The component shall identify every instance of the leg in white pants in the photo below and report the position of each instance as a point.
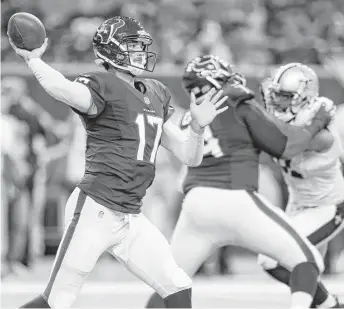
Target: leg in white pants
(218, 217)
(319, 225)
(146, 253)
(90, 229)
(93, 229)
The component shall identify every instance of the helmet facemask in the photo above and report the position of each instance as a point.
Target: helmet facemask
(137, 57)
(130, 60)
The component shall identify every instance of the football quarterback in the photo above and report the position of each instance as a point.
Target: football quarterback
(221, 205)
(314, 179)
(126, 119)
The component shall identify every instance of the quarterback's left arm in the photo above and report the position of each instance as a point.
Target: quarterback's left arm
(186, 146)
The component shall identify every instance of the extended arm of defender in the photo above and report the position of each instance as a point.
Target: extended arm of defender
(300, 139)
(186, 145)
(276, 137)
(321, 142)
(55, 84)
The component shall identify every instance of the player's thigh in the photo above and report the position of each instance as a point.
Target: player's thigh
(213, 212)
(320, 225)
(269, 186)
(190, 244)
(146, 253)
(84, 240)
(267, 230)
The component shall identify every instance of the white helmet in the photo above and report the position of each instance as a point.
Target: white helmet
(293, 86)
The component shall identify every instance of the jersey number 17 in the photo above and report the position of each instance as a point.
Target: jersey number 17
(142, 122)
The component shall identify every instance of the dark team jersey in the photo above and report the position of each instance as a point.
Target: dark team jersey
(233, 142)
(122, 139)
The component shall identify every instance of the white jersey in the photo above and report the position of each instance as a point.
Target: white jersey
(315, 179)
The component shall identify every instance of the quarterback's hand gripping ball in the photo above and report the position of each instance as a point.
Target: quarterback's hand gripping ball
(27, 35)
(205, 111)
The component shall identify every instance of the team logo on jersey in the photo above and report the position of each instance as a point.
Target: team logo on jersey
(146, 100)
(83, 80)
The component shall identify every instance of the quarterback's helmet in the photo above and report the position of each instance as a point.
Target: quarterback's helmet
(292, 87)
(112, 44)
(208, 71)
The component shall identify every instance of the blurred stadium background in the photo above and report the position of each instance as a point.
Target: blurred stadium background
(43, 142)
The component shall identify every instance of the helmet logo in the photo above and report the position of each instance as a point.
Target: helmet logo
(107, 31)
(146, 100)
(143, 32)
(120, 57)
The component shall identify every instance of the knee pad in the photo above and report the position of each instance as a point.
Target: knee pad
(266, 262)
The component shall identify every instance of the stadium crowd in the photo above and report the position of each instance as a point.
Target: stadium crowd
(261, 32)
(244, 32)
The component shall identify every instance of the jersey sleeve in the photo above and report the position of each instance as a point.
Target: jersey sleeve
(265, 134)
(97, 89)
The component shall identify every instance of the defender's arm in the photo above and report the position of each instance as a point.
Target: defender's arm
(55, 84)
(186, 145)
(278, 138)
(321, 142)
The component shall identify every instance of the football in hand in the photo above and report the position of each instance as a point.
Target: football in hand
(26, 31)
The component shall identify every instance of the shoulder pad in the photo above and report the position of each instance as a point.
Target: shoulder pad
(155, 83)
(256, 106)
(238, 93)
(161, 90)
(93, 80)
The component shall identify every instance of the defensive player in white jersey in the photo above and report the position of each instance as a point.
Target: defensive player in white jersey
(338, 124)
(314, 178)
